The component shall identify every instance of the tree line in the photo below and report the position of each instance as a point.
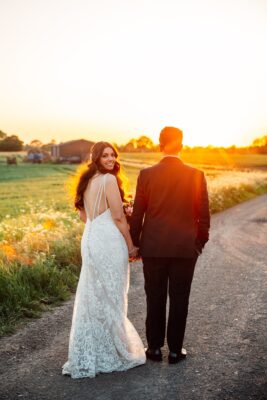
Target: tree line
(141, 144)
(145, 144)
(10, 143)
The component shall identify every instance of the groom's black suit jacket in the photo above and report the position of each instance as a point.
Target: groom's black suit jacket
(171, 210)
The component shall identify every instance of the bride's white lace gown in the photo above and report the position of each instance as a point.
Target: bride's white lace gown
(102, 339)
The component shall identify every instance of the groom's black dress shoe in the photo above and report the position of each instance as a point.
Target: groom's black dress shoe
(176, 357)
(154, 354)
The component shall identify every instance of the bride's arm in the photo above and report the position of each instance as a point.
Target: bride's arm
(115, 205)
(82, 215)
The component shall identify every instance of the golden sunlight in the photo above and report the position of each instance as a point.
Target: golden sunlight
(116, 70)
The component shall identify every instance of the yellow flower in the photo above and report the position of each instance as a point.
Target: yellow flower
(49, 224)
(9, 251)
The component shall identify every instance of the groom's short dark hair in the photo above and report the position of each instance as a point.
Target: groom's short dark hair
(170, 134)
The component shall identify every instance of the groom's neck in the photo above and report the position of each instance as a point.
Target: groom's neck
(170, 154)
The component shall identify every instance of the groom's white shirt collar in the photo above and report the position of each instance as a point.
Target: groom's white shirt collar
(170, 155)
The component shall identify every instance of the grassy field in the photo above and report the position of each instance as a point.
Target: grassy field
(216, 159)
(40, 232)
(25, 185)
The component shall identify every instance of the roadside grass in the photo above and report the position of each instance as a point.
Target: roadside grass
(40, 233)
(233, 187)
(39, 263)
(26, 292)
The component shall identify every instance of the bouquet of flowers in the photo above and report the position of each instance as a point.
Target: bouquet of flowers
(128, 208)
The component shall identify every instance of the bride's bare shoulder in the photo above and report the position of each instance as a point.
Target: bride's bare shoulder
(110, 178)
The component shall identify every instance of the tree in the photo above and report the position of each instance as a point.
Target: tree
(11, 143)
(144, 143)
(36, 143)
(259, 145)
(129, 147)
(2, 135)
(46, 146)
(260, 142)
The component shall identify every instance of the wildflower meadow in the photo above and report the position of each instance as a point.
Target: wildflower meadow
(40, 232)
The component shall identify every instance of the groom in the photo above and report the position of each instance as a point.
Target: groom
(170, 223)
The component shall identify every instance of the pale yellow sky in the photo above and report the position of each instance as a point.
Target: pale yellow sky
(117, 69)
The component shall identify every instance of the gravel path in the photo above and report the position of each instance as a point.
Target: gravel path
(225, 337)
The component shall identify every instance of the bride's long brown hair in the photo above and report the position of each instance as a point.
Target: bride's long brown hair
(93, 167)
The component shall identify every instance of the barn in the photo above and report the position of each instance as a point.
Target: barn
(74, 151)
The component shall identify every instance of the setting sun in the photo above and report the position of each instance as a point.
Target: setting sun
(114, 70)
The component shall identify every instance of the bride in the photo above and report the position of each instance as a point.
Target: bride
(102, 339)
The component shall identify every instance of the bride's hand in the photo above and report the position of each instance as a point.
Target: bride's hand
(133, 252)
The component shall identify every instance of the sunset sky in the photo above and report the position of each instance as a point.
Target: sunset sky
(117, 69)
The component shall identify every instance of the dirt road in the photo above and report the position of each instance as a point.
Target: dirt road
(225, 337)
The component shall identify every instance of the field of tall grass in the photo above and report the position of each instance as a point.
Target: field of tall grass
(40, 232)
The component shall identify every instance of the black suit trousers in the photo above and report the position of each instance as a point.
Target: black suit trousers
(165, 276)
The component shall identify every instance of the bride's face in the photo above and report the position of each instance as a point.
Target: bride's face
(108, 159)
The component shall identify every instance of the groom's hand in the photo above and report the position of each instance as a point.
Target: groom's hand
(134, 254)
(134, 259)
(137, 257)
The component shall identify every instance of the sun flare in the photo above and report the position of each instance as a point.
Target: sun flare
(117, 70)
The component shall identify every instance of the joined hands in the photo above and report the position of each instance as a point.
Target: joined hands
(134, 254)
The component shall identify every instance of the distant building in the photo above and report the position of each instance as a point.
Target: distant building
(74, 151)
